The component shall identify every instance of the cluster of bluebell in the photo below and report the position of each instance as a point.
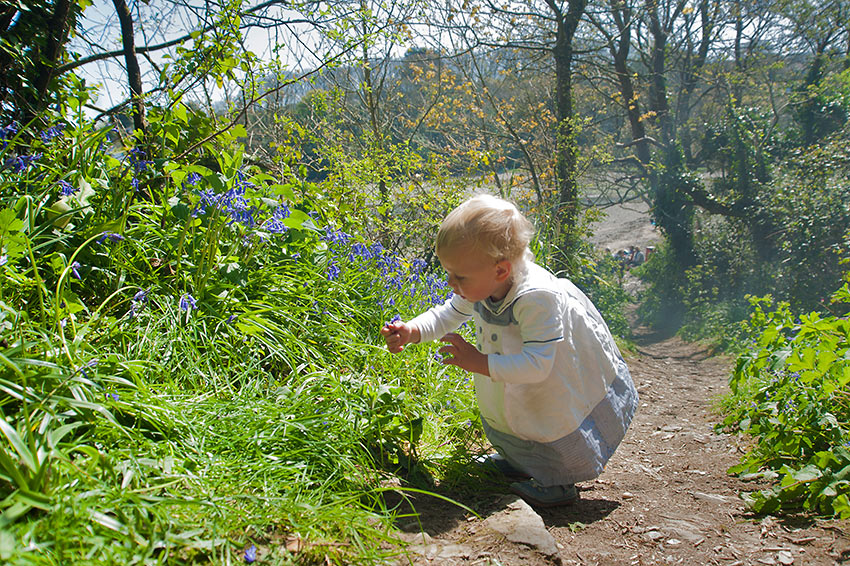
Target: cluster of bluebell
(7, 133)
(139, 164)
(397, 279)
(113, 237)
(233, 202)
(20, 163)
(51, 133)
(66, 189)
(187, 302)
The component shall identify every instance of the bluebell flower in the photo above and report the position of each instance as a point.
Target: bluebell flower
(333, 271)
(66, 189)
(89, 364)
(336, 236)
(138, 161)
(192, 179)
(7, 133)
(113, 396)
(187, 302)
(51, 133)
(111, 236)
(231, 319)
(20, 163)
(251, 554)
(141, 296)
(275, 224)
(76, 274)
(438, 356)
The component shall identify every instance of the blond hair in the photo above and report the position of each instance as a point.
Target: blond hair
(489, 225)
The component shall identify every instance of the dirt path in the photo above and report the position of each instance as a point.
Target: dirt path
(664, 498)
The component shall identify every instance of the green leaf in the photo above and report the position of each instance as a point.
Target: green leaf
(27, 457)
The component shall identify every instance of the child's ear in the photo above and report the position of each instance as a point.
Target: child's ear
(503, 270)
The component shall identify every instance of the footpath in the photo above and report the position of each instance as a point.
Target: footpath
(665, 497)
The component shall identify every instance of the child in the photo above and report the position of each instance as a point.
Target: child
(554, 392)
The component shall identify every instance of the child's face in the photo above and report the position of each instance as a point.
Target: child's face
(474, 276)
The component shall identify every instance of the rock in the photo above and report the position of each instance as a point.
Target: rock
(520, 524)
(785, 557)
(683, 530)
(712, 497)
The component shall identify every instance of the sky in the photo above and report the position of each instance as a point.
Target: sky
(159, 21)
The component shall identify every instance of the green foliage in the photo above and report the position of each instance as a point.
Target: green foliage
(191, 361)
(790, 250)
(790, 394)
(662, 302)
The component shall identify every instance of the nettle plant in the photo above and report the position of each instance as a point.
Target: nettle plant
(790, 394)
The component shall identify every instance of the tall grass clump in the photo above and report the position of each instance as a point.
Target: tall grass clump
(191, 364)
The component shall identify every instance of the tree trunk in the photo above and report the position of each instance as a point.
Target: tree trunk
(672, 208)
(566, 152)
(134, 73)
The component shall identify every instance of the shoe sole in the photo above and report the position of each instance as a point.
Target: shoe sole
(546, 504)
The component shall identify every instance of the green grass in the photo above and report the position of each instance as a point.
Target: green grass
(139, 430)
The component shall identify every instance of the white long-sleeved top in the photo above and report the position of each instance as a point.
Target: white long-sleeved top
(550, 354)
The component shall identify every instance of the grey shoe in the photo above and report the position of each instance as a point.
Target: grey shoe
(539, 496)
(495, 463)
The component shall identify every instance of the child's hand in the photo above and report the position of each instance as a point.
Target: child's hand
(463, 354)
(397, 334)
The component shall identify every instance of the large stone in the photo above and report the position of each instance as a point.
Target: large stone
(518, 523)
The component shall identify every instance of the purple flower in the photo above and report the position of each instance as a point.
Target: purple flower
(66, 189)
(137, 160)
(51, 133)
(113, 396)
(187, 302)
(251, 554)
(89, 364)
(141, 296)
(275, 224)
(192, 179)
(359, 249)
(333, 271)
(76, 274)
(231, 318)
(20, 163)
(7, 133)
(111, 236)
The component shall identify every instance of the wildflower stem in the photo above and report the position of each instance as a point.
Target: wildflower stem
(39, 281)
